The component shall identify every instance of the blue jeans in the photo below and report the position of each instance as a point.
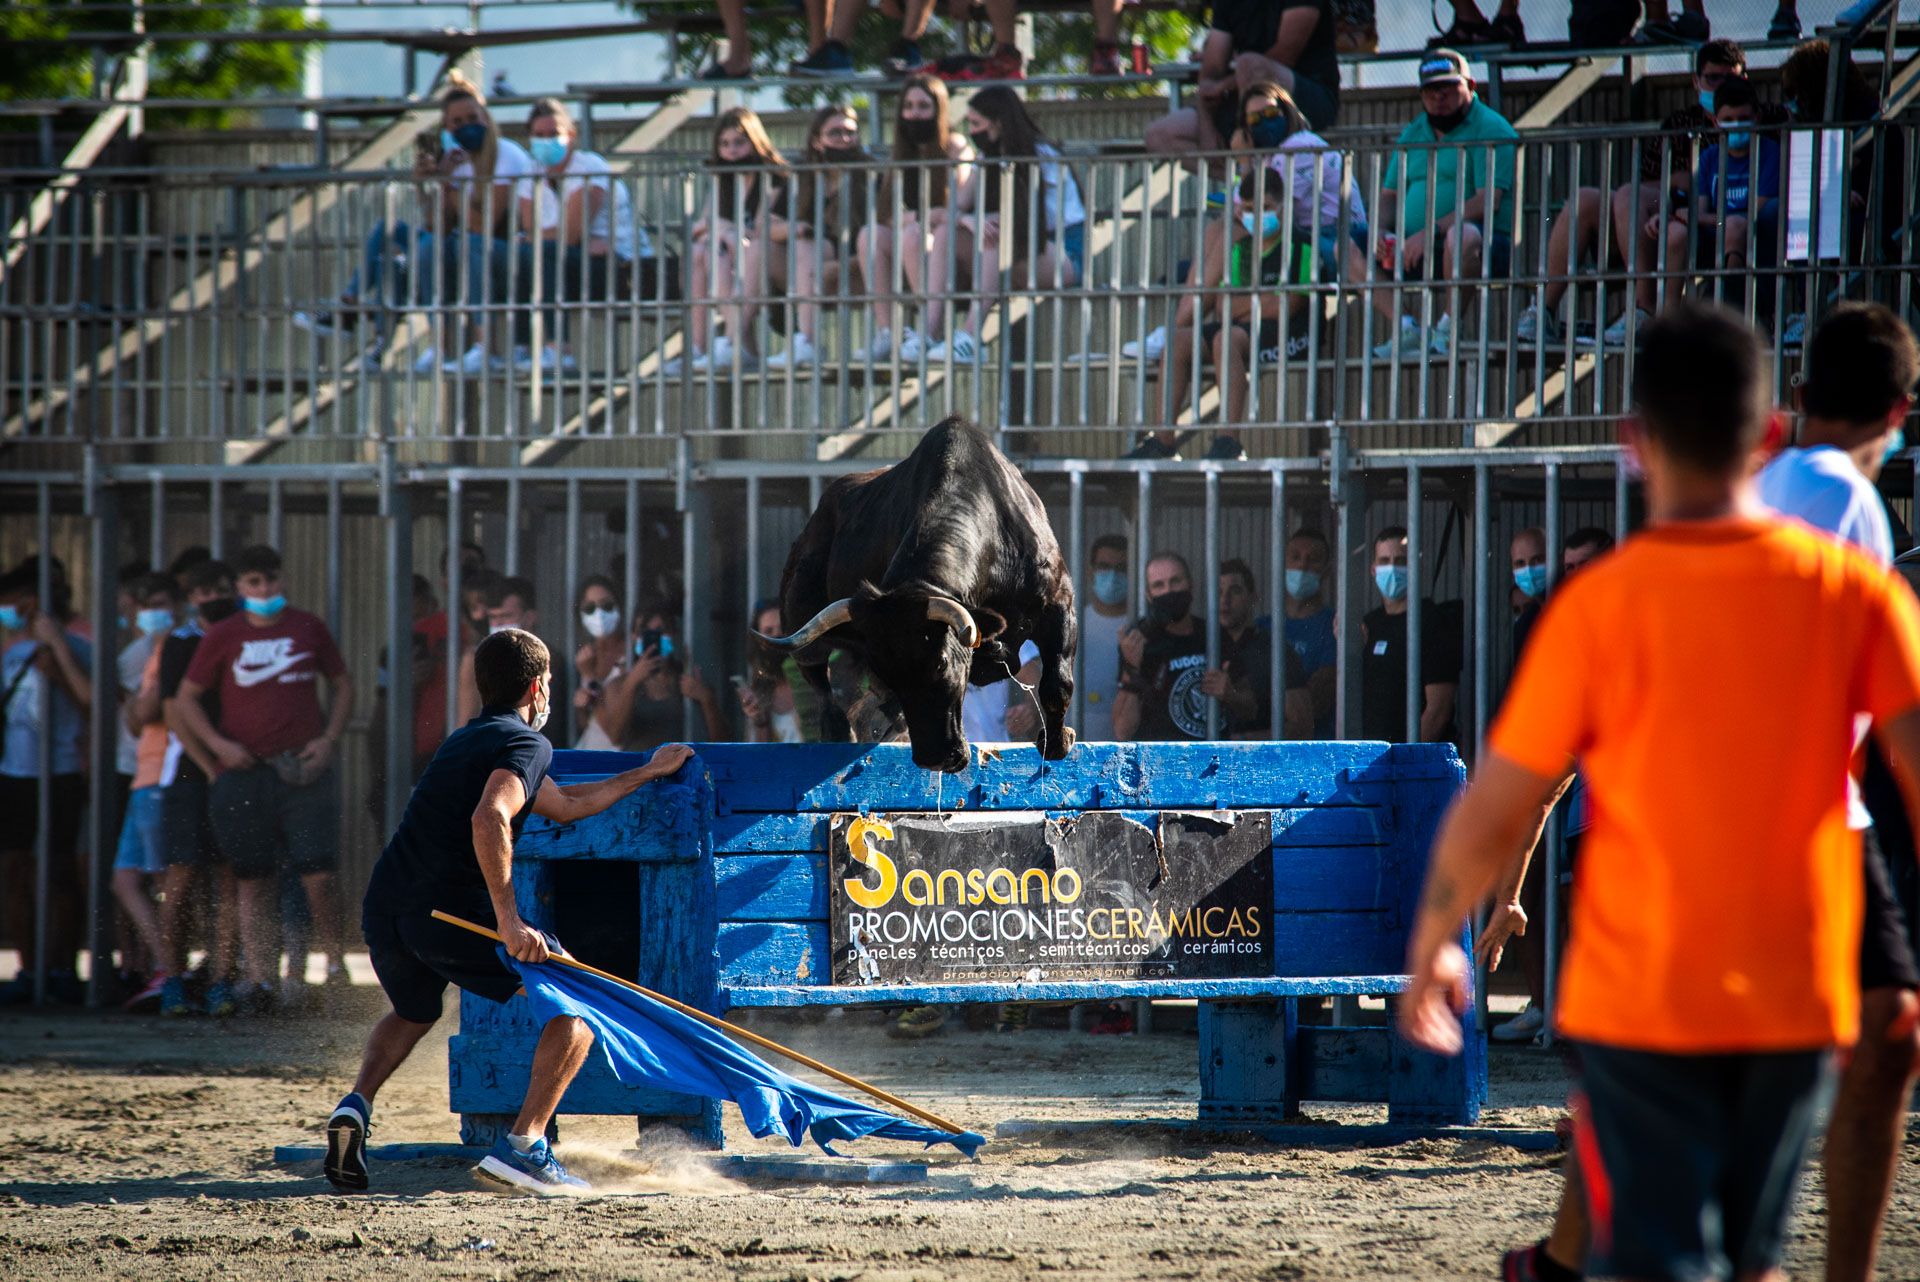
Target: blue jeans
(411, 262)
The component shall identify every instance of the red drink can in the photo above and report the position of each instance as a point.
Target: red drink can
(1141, 67)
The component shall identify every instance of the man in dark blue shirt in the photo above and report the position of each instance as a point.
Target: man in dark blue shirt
(453, 850)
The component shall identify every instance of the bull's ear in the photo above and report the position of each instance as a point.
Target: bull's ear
(990, 623)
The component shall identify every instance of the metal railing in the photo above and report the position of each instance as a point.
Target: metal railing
(159, 309)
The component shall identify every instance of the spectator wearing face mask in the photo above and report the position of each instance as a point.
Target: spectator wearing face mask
(1101, 624)
(275, 804)
(1528, 552)
(1383, 666)
(511, 602)
(646, 707)
(1163, 660)
(599, 662)
(1308, 621)
(143, 741)
(43, 674)
(195, 868)
(1243, 683)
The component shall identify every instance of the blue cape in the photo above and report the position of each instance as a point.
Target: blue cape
(648, 1043)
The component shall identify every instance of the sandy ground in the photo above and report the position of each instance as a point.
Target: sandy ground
(137, 1148)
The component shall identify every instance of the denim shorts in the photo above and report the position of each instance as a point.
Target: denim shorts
(142, 844)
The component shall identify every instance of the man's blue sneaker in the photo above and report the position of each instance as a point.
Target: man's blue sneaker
(347, 1143)
(221, 999)
(173, 996)
(536, 1170)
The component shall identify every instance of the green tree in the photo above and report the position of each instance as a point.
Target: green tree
(44, 53)
(1062, 42)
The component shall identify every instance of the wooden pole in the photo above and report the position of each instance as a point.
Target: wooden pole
(745, 1035)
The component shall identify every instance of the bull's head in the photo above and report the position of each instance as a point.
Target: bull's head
(919, 642)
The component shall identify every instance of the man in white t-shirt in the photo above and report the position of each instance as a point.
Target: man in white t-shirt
(1101, 623)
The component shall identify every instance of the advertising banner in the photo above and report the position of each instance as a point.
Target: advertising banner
(1020, 896)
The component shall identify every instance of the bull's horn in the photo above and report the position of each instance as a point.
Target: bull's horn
(836, 613)
(945, 609)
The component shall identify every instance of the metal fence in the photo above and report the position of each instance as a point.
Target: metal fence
(160, 311)
(354, 536)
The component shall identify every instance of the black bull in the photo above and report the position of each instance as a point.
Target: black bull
(930, 575)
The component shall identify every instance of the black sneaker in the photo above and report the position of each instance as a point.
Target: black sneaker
(831, 59)
(257, 1001)
(903, 59)
(347, 1132)
(718, 71)
(1152, 448)
(1226, 449)
(1508, 29)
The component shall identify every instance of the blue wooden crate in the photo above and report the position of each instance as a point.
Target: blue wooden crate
(721, 901)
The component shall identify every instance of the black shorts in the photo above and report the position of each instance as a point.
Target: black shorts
(1886, 951)
(186, 829)
(416, 956)
(20, 803)
(265, 825)
(1690, 1161)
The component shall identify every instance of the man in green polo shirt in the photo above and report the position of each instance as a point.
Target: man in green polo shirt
(1448, 196)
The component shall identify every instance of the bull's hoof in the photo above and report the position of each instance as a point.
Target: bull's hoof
(1058, 749)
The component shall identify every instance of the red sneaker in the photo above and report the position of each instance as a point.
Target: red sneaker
(1004, 63)
(1105, 61)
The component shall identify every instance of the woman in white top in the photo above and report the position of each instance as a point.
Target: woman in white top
(746, 179)
(931, 160)
(1013, 154)
(600, 662)
(593, 248)
(485, 202)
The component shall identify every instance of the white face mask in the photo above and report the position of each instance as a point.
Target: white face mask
(600, 623)
(543, 709)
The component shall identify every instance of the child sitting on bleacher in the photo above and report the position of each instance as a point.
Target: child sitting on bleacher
(807, 234)
(747, 177)
(593, 249)
(931, 160)
(1013, 154)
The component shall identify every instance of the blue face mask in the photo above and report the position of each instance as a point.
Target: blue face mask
(1739, 139)
(1531, 579)
(11, 619)
(264, 607)
(1110, 587)
(470, 138)
(152, 622)
(1391, 580)
(1268, 226)
(1896, 445)
(640, 647)
(1303, 585)
(548, 152)
(1269, 133)
(1706, 101)
(447, 141)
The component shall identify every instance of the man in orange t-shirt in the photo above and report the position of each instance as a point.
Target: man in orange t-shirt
(1712, 964)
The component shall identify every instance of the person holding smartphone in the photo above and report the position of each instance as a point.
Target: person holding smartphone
(646, 705)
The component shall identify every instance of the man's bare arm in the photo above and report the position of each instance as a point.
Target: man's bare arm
(1482, 834)
(1508, 918)
(493, 848)
(579, 800)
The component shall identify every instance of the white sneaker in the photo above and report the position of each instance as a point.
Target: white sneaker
(912, 347)
(475, 362)
(1615, 337)
(721, 356)
(319, 324)
(368, 362)
(1522, 1027)
(1534, 327)
(961, 349)
(799, 354)
(1440, 345)
(1150, 348)
(1410, 342)
(879, 348)
(428, 363)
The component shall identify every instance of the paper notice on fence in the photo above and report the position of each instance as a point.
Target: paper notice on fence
(1810, 171)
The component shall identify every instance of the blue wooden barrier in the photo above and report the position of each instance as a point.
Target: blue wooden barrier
(713, 888)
